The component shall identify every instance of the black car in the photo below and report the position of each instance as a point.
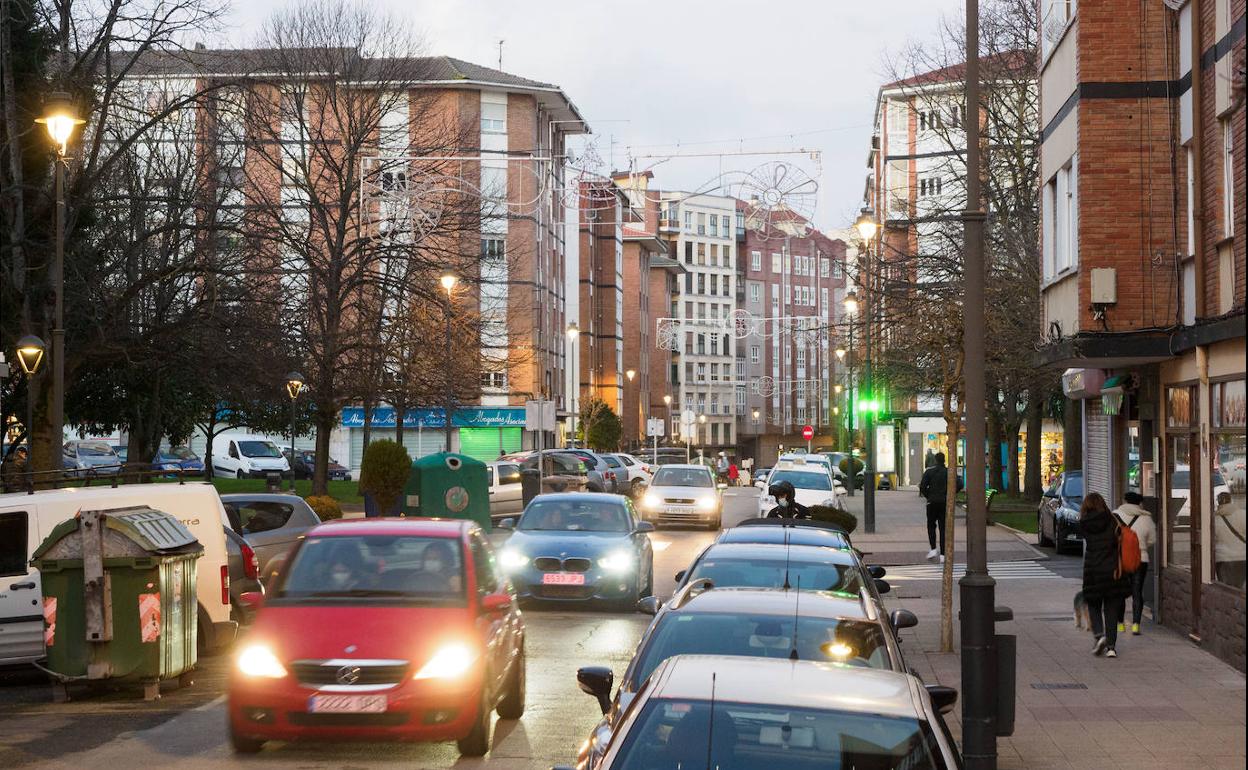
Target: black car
(1059, 509)
(305, 460)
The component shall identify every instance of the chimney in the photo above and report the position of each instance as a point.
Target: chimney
(200, 47)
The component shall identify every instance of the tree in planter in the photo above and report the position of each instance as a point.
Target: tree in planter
(601, 426)
(384, 472)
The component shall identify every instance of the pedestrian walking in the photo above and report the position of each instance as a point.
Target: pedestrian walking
(1132, 514)
(934, 487)
(733, 474)
(1105, 588)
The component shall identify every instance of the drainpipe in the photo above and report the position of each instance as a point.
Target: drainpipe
(1198, 161)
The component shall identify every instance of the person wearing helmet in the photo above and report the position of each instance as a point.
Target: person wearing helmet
(787, 506)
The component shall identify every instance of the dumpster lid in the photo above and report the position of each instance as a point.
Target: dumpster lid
(153, 530)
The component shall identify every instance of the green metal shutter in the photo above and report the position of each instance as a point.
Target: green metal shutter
(485, 443)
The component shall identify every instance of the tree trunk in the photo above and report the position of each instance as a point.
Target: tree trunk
(368, 422)
(1072, 438)
(326, 414)
(210, 433)
(400, 409)
(953, 428)
(1031, 474)
(1011, 454)
(995, 429)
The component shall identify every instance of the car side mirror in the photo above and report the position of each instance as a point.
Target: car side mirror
(508, 523)
(876, 572)
(495, 603)
(644, 526)
(649, 605)
(680, 576)
(943, 698)
(882, 586)
(251, 599)
(597, 681)
(903, 619)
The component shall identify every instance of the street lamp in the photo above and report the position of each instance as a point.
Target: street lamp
(60, 118)
(294, 386)
(701, 438)
(866, 224)
(851, 302)
(30, 350)
(574, 332)
(448, 282)
(851, 308)
(840, 354)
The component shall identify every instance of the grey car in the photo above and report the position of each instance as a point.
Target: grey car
(90, 458)
(271, 523)
(602, 477)
(244, 575)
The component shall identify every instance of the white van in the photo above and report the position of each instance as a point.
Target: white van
(26, 519)
(243, 456)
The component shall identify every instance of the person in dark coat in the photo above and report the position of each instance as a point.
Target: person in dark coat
(1104, 589)
(934, 488)
(787, 506)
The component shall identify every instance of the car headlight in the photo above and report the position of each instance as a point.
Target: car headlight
(511, 559)
(708, 502)
(651, 500)
(451, 661)
(170, 467)
(620, 561)
(258, 660)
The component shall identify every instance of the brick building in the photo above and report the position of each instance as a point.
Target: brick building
(1143, 210)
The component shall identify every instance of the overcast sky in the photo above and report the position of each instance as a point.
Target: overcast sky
(714, 75)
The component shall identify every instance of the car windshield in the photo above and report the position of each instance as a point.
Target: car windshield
(803, 479)
(95, 450)
(808, 575)
(682, 477)
(672, 733)
(396, 567)
(556, 515)
(1073, 487)
(258, 449)
(561, 463)
(179, 453)
(852, 642)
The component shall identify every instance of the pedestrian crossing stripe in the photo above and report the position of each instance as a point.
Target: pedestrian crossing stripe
(1001, 570)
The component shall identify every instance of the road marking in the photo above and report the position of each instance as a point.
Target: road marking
(1001, 570)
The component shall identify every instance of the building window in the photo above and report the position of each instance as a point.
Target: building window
(714, 367)
(756, 261)
(1056, 15)
(1060, 211)
(701, 344)
(756, 354)
(493, 249)
(701, 377)
(775, 262)
(740, 369)
(740, 222)
(740, 400)
(1228, 177)
(493, 118)
(838, 269)
(701, 223)
(496, 380)
(714, 225)
(929, 186)
(688, 221)
(755, 292)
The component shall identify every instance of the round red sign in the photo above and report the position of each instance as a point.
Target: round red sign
(808, 432)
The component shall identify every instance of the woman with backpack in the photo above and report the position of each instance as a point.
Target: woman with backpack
(1105, 586)
(1131, 514)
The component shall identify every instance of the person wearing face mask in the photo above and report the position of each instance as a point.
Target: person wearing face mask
(437, 566)
(787, 506)
(345, 572)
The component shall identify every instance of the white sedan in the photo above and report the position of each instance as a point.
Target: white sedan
(812, 487)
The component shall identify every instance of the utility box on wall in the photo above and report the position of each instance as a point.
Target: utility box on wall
(1104, 286)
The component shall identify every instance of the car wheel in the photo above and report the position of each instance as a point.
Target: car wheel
(1059, 539)
(242, 744)
(477, 742)
(648, 590)
(512, 704)
(239, 474)
(1040, 538)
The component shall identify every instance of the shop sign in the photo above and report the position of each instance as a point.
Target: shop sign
(1082, 383)
(465, 417)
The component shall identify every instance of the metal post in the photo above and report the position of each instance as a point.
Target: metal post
(979, 664)
(292, 443)
(450, 398)
(850, 416)
(58, 325)
(868, 474)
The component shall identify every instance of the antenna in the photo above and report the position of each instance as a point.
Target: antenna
(500, 53)
(787, 551)
(710, 729)
(797, 598)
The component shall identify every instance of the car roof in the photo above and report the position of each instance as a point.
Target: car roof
(827, 538)
(411, 526)
(687, 466)
(106, 493)
(602, 497)
(263, 497)
(770, 601)
(796, 683)
(777, 551)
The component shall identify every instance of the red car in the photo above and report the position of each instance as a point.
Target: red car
(381, 629)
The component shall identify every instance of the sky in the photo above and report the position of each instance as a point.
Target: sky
(673, 78)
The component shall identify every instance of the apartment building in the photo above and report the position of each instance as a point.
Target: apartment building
(603, 210)
(507, 132)
(1143, 179)
(700, 233)
(791, 281)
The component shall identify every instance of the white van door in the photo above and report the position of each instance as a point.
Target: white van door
(227, 463)
(21, 603)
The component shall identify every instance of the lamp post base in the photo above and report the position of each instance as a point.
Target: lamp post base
(979, 671)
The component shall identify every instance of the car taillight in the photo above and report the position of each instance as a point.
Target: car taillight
(251, 564)
(225, 584)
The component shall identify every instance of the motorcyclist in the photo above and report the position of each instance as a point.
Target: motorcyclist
(787, 506)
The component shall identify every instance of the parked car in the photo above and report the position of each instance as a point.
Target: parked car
(749, 623)
(601, 474)
(244, 576)
(382, 629)
(246, 456)
(90, 458)
(636, 474)
(1059, 510)
(811, 487)
(305, 461)
(580, 547)
(683, 494)
(270, 522)
(721, 711)
(122, 451)
(506, 494)
(760, 477)
(791, 531)
(561, 471)
(178, 458)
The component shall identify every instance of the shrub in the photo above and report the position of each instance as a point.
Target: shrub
(384, 472)
(844, 466)
(326, 507)
(838, 516)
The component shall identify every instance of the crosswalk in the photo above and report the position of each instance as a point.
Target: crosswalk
(1000, 570)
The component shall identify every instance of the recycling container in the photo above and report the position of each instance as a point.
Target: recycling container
(119, 598)
(448, 485)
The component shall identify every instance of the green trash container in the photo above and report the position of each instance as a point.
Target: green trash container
(448, 485)
(119, 598)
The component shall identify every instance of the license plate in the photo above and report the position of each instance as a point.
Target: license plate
(347, 704)
(673, 509)
(563, 579)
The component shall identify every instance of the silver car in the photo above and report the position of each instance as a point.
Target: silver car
(271, 523)
(90, 458)
(506, 496)
(683, 494)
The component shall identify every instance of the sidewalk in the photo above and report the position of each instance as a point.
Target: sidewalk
(1163, 703)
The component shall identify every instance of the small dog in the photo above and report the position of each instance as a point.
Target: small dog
(1082, 619)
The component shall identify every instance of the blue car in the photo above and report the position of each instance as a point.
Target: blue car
(580, 547)
(178, 458)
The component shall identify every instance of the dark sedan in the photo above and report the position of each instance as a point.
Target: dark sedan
(305, 460)
(1059, 510)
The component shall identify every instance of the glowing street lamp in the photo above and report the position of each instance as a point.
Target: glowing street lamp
(60, 118)
(294, 386)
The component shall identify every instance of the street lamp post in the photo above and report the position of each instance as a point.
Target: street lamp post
(448, 282)
(701, 439)
(60, 118)
(30, 351)
(851, 308)
(294, 386)
(630, 374)
(574, 333)
(866, 226)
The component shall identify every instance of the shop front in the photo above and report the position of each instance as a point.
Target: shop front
(480, 432)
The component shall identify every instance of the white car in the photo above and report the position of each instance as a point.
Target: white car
(814, 459)
(1181, 489)
(683, 494)
(637, 468)
(745, 713)
(245, 456)
(813, 486)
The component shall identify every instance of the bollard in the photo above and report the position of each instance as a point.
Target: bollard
(273, 481)
(1007, 656)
